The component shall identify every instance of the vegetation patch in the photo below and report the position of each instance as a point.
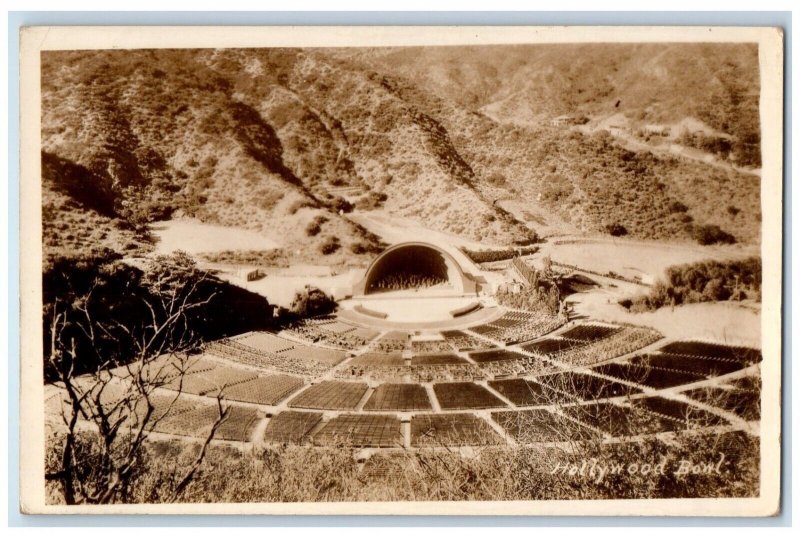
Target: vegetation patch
(709, 281)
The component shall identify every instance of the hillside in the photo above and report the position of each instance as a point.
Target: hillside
(274, 140)
(715, 85)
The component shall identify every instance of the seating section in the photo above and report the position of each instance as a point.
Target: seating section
(585, 387)
(333, 333)
(515, 326)
(742, 355)
(570, 352)
(461, 341)
(291, 427)
(325, 356)
(589, 332)
(620, 420)
(398, 397)
(744, 403)
(682, 413)
(211, 381)
(391, 341)
(416, 373)
(430, 346)
(525, 392)
(198, 420)
(299, 360)
(592, 381)
(377, 359)
(453, 429)
(541, 426)
(263, 341)
(264, 390)
(330, 395)
(648, 376)
(465, 396)
(437, 359)
(379, 431)
(501, 362)
(495, 355)
(239, 425)
(552, 346)
(703, 366)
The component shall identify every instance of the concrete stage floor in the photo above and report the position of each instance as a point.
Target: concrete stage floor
(407, 310)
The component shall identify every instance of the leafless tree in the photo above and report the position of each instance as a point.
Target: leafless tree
(110, 411)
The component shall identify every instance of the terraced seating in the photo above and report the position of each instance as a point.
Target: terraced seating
(456, 429)
(379, 431)
(495, 355)
(437, 359)
(430, 346)
(648, 376)
(330, 395)
(303, 365)
(465, 396)
(541, 426)
(685, 415)
(377, 359)
(332, 325)
(589, 332)
(515, 327)
(332, 333)
(523, 392)
(704, 366)
(264, 341)
(210, 381)
(501, 362)
(239, 425)
(264, 390)
(417, 373)
(164, 368)
(325, 356)
(552, 346)
(194, 422)
(715, 351)
(398, 397)
(391, 341)
(198, 420)
(585, 387)
(461, 341)
(291, 427)
(620, 421)
(745, 404)
(580, 353)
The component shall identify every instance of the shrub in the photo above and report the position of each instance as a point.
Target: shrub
(297, 205)
(311, 301)
(701, 282)
(329, 245)
(315, 226)
(340, 205)
(615, 229)
(710, 234)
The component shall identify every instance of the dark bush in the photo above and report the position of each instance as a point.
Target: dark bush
(312, 301)
(701, 282)
(329, 245)
(710, 234)
(616, 229)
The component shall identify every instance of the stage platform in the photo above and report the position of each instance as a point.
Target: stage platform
(408, 312)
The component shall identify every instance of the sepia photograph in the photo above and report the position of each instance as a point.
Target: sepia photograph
(401, 270)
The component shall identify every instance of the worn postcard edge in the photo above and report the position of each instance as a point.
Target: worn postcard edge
(34, 40)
